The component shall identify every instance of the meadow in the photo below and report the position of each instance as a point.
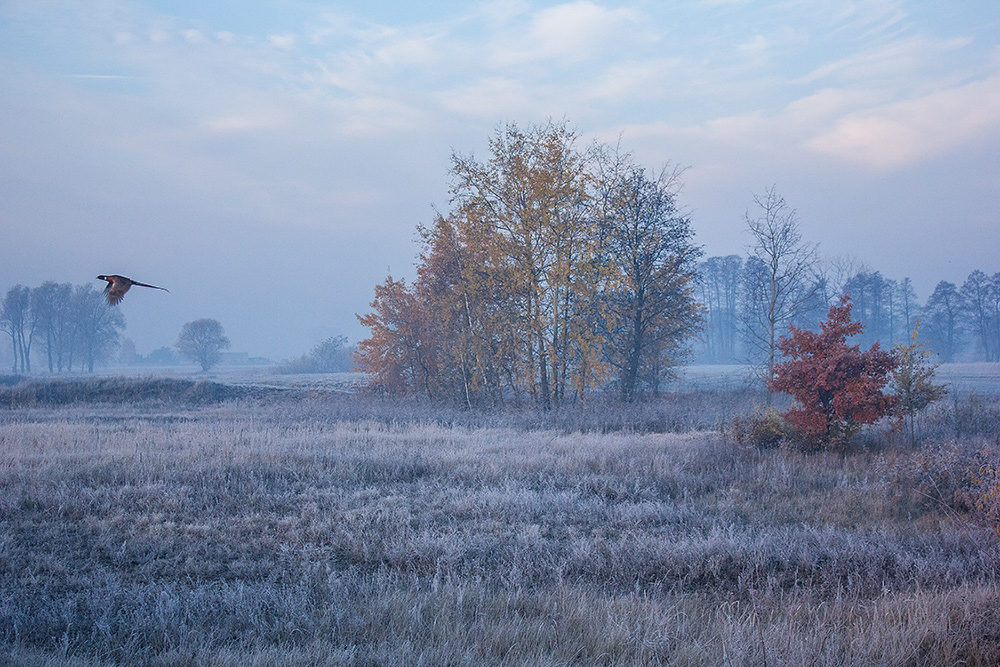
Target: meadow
(185, 523)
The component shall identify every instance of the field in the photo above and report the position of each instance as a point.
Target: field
(194, 525)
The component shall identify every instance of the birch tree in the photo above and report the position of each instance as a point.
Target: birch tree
(532, 196)
(778, 284)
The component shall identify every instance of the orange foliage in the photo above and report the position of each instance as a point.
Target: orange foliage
(837, 386)
(396, 354)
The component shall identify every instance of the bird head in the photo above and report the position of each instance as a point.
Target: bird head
(102, 277)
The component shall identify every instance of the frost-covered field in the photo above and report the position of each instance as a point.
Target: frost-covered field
(981, 377)
(297, 531)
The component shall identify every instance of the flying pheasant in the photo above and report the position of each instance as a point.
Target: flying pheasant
(118, 285)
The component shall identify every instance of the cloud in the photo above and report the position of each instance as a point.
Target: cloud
(897, 63)
(284, 41)
(239, 123)
(856, 126)
(869, 17)
(900, 133)
(570, 32)
(489, 97)
(194, 36)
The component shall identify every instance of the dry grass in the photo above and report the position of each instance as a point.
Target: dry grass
(280, 533)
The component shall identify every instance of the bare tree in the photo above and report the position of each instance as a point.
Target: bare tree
(909, 308)
(97, 325)
(202, 341)
(16, 320)
(51, 311)
(778, 282)
(719, 280)
(832, 275)
(942, 320)
(978, 300)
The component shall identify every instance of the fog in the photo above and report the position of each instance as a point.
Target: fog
(269, 173)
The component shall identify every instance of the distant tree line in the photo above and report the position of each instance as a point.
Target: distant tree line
(73, 327)
(956, 322)
(559, 269)
(70, 326)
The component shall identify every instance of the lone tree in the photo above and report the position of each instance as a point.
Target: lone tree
(837, 386)
(202, 341)
(778, 275)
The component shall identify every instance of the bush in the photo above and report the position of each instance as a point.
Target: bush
(986, 494)
(837, 387)
(938, 478)
(332, 355)
(764, 428)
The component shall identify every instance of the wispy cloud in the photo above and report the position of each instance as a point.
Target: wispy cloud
(908, 131)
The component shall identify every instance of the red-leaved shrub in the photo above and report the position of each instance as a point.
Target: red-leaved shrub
(837, 387)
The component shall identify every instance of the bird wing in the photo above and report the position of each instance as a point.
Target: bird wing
(115, 291)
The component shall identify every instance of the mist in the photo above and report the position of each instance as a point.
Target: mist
(271, 170)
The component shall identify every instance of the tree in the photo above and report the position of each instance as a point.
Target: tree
(127, 354)
(719, 282)
(332, 355)
(16, 320)
(555, 268)
(647, 306)
(836, 386)
(472, 290)
(942, 318)
(397, 354)
(909, 309)
(913, 381)
(328, 356)
(876, 305)
(97, 326)
(531, 198)
(979, 301)
(51, 311)
(777, 283)
(202, 341)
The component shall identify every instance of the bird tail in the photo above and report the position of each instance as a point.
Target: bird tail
(153, 286)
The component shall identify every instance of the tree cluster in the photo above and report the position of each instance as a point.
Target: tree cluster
(71, 325)
(956, 322)
(558, 270)
(332, 355)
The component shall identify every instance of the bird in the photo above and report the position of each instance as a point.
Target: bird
(118, 285)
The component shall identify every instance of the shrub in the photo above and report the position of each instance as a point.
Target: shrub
(986, 484)
(124, 390)
(332, 355)
(837, 387)
(913, 382)
(763, 428)
(941, 477)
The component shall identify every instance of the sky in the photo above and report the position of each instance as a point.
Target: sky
(269, 162)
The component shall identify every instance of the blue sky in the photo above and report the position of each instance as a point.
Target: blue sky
(269, 161)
